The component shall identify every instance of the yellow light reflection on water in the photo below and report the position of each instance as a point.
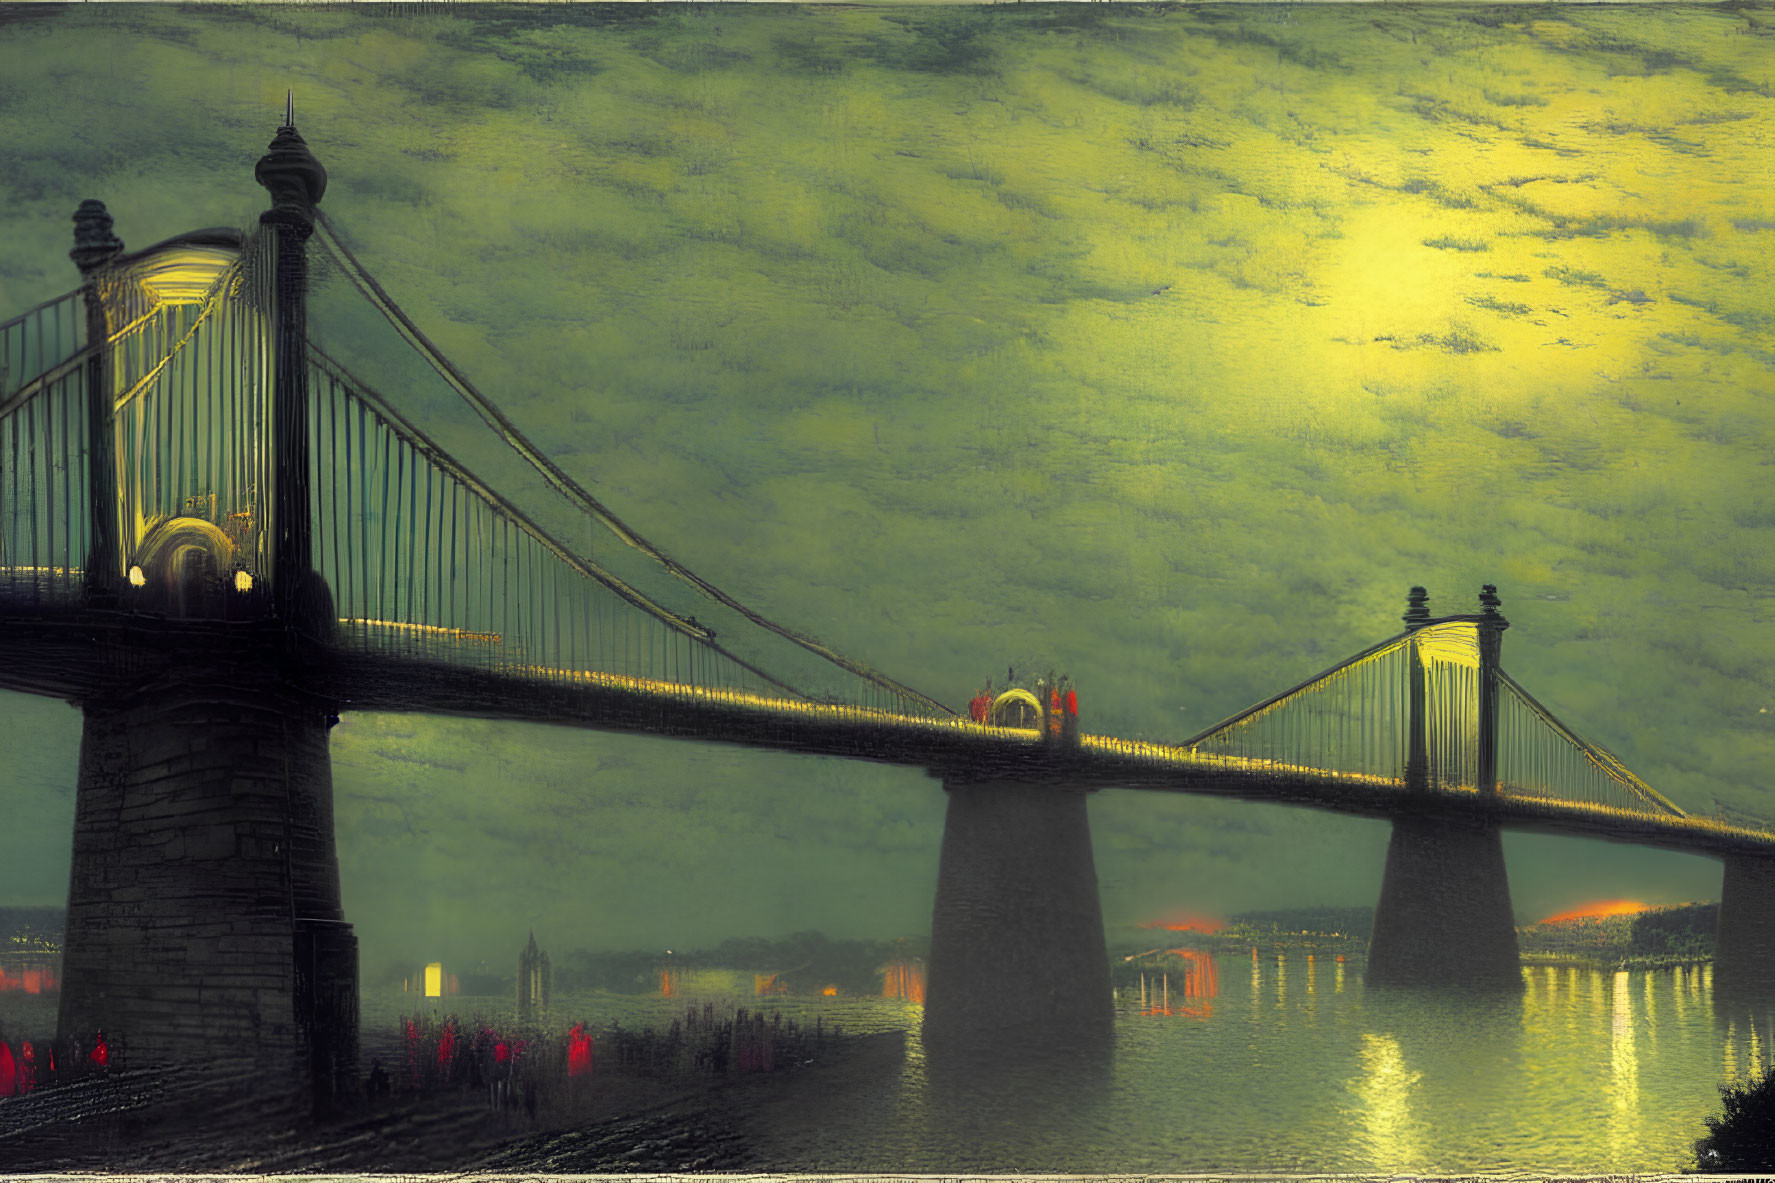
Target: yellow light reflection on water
(1624, 1134)
(1384, 1088)
(434, 980)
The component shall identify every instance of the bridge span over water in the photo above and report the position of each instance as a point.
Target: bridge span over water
(215, 537)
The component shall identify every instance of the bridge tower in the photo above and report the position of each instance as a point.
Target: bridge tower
(205, 923)
(1444, 916)
(95, 248)
(1018, 958)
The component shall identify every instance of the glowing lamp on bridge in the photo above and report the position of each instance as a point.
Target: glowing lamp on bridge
(243, 581)
(1016, 708)
(136, 578)
(434, 980)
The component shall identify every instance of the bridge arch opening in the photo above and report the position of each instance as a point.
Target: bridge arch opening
(1016, 708)
(185, 560)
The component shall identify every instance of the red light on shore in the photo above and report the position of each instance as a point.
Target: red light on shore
(1598, 910)
(32, 979)
(1187, 922)
(579, 1051)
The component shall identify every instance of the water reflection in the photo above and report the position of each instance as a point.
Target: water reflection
(1756, 1052)
(1744, 1024)
(1384, 1089)
(1256, 986)
(1197, 985)
(1583, 1072)
(1651, 1007)
(1026, 1107)
(1623, 1070)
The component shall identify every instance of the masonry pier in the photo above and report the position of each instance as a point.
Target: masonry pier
(204, 917)
(1018, 959)
(1444, 917)
(1744, 939)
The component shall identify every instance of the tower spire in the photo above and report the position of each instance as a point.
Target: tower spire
(290, 108)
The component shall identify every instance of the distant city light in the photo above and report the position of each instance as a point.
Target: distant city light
(434, 980)
(136, 578)
(243, 581)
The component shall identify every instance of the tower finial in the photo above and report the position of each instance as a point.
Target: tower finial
(1489, 605)
(94, 244)
(1417, 612)
(289, 170)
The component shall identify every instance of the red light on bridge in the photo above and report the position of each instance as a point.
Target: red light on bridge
(1599, 909)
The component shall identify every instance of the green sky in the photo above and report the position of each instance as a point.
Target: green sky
(1165, 345)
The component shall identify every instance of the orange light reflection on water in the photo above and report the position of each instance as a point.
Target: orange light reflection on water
(1198, 983)
(903, 979)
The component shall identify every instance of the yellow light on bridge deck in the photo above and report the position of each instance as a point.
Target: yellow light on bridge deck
(243, 581)
(434, 980)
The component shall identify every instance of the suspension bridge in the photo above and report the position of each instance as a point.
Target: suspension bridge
(215, 535)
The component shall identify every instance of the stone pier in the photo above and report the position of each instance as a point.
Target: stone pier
(1744, 940)
(1018, 961)
(204, 917)
(1444, 917)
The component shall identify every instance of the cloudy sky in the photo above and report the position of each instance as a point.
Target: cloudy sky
(1165, 346)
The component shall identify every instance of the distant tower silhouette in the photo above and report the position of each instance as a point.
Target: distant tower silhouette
(533, 982)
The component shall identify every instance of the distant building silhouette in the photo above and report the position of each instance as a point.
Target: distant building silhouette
(533, 982)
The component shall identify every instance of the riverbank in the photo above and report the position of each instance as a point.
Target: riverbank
(1584, 961)
(163, 1122)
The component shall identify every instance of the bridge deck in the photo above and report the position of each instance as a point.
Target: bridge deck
(66, 654)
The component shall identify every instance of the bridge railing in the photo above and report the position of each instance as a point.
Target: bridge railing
(1541, 757)
(45, 518)
(426, 561)
(631, 574)
(38, 341)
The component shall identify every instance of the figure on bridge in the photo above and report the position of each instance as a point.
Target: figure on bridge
(1051, 711)
(981, 704)
(1069, 714)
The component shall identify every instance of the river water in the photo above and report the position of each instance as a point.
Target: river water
(1287, 1064)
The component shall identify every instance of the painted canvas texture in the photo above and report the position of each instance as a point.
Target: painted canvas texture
(1162, 349)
